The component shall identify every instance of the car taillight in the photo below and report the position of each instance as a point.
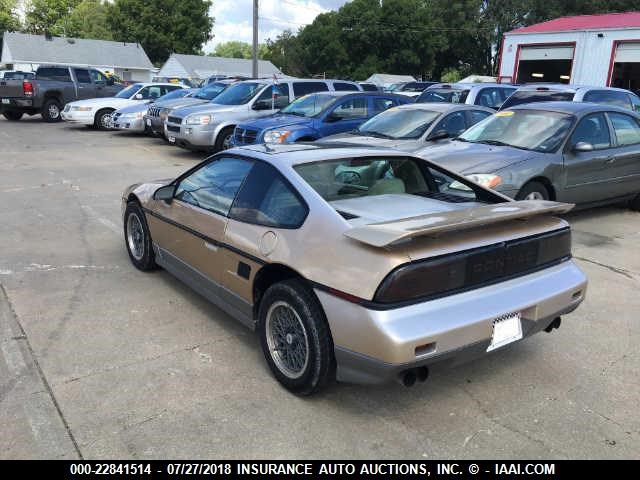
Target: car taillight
(27, 88)
(473, 268)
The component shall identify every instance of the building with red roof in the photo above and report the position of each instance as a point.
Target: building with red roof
(582, 50)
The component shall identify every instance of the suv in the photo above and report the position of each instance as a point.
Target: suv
(315, 116)
(573, 93)
(413, 89)
(491, 95)
(210, 126)
(52, 88)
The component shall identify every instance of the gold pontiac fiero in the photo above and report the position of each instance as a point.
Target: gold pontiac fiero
(356, 264)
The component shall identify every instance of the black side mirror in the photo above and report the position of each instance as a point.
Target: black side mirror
(438, 135)
(165, 193)
(332, 118)
(262, 105)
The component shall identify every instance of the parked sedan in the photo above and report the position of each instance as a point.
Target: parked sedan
(574, 152)
(132, 118)
(360, 264)
(413, 126)
(315, 116)
(97, 111)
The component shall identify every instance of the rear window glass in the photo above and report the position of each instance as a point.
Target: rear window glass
(53, 73)
(304, 88)
(532, 96)
(348, 184)
(443, 95)
(610, 97)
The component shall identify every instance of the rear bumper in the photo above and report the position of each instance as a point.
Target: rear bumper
(375, 346)
(15, 103)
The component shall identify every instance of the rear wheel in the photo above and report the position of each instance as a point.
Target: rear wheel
(103, 119)
(12, 116)
(533, 191)
(295, 338)
(51, 110)
(138, 238)
(224, 140)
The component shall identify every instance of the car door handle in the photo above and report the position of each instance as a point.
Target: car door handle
(610, 160)
(211, 246)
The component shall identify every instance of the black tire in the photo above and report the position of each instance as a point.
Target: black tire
(533, 189)
(51, 110)
(13, 116)
(222, 139)
(144, 259)
(634, 204)
(319, 365)
(101, 119)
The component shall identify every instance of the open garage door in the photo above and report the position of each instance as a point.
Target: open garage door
(545, 63)
(626, 66)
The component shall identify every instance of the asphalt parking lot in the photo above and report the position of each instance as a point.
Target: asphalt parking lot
(99, 360)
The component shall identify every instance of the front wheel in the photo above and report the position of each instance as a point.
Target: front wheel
(103, 119)
(533, 191)
(295, 338)
(138, 238)
(225, 139)
(12, 116)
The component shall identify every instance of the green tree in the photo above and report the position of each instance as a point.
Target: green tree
(9, 21)
(48, 16)
(162, 28)
(284, 53)
(89, 20)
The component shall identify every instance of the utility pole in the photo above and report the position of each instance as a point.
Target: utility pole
(254, 66)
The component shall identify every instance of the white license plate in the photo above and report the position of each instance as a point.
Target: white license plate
(505, 331)
(6, 101)
(172, 139)
(148, 122)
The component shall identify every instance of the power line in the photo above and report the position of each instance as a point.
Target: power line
(284, 22)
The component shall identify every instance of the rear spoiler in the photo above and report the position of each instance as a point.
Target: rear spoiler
(384, 234)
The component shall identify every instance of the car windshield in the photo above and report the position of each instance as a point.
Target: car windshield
(443, 95)
(343, 182)
(179, 93)
(539, 130)
(129, 91)
(532, 96)
(399, 124)
(211, 91)
(238, 94)
(309, 105)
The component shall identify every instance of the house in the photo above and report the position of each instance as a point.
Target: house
(21, 51)
(200, 67)
(600, 50)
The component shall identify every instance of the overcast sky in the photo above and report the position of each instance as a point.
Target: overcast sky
(234, 18)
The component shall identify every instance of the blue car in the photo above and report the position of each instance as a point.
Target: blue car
(315, 116)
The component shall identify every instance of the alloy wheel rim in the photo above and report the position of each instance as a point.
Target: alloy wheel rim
(54, 111)
(106, 121)
(534, 196)
(226, 143)
(287, 340)
(135, 236)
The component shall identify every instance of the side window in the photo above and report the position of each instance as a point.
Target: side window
(351, 109)
(170, 88)
(626, 129)
(53, 73)
(98, 77)
(304, 88)
(279, 92)
(476, 115)
(214, 186)
(635, 101)
(592, 129)
(608, 97)
(267, 199)
(82, 75)
(341, 86)
(489, 97)
(454, 124)
(382, 104)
